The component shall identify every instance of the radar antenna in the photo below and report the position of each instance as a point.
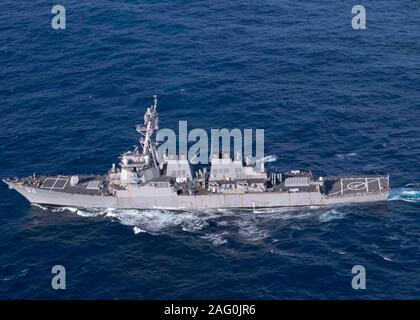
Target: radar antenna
(151, 124)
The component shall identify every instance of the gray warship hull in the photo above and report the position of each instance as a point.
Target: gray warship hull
(146, 179)
(343, 190)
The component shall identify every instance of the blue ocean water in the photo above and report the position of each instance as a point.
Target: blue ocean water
(330, 99)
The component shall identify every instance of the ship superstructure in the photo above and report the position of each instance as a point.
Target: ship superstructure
(145, 179)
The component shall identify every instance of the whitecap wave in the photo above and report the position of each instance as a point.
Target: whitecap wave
(241, 224)
(21, 273)
(39, 206)
(216, 239)
(248, 230)
(274, 210)
(297, 216)
(386, 258)
(61, 209)
(90, 213)
(412, 185)
(138, 230)
(331, 215)
(407, 193)
(158, 220)
(395, 237)
(345, 156)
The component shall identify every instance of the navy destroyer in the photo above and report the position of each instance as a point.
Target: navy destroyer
(143, 180)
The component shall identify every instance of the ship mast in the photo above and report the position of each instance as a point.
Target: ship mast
(151, 124)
